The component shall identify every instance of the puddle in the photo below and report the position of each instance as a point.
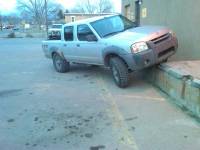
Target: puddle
(36, 119)
(131, 118)
(88, 135)
(11, 120)
(11, 92)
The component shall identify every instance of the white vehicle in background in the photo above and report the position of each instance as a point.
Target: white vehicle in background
(54, 32)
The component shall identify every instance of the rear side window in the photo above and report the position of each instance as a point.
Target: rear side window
(68, 33)
(84, 32)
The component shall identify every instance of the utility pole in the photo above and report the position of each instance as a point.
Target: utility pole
(1, 24)
(138, 4)
(46, 18)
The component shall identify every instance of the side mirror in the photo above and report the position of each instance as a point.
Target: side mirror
(91, 38)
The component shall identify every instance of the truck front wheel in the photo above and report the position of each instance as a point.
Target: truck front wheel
(120, 72)
(60, 64)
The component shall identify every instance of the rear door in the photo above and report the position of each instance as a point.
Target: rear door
(68, 43)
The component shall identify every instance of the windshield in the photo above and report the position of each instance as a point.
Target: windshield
(112, 25)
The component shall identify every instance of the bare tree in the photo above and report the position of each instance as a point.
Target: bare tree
(91, 6)
(11, 19)
(36, 9)
(105, 6)
(60, 14)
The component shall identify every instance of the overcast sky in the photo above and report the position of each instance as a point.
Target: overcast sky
(8, 6)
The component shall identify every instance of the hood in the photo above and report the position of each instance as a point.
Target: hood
(137, 34)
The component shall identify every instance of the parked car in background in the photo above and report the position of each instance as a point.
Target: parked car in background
(15, 29)
(9, 26)
(54, 32)
(112, 41)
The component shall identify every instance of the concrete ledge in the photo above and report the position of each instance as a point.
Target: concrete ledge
(180, 86)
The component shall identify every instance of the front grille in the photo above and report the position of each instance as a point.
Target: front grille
(161, 38)
(165, 52)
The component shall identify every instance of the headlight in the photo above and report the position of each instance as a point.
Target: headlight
(139, 47)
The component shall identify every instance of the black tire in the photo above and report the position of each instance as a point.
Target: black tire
(60, 64)
(119, 71)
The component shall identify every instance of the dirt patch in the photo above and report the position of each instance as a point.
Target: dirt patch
(86, 75)
(72, 128)
(50, 129)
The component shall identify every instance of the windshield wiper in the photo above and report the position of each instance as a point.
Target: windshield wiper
(112, 33)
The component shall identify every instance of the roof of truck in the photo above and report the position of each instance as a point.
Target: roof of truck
(88, 20)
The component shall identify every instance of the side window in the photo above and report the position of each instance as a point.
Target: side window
(68, 33)
(84, 33)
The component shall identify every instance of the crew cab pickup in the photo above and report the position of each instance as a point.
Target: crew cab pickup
(112, 41)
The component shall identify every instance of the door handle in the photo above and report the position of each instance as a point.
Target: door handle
(78, 45)
(65, 45)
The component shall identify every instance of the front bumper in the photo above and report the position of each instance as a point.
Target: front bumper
(159, 51)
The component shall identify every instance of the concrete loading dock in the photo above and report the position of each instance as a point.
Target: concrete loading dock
(181, 81)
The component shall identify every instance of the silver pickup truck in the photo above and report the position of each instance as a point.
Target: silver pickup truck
(112, 41)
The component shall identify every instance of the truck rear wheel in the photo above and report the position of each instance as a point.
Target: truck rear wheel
(60, 64)
(120, 72)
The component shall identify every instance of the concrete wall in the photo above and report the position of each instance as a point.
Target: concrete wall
(183, 16)
(130, 3)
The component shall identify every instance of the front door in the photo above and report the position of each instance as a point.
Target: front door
(88, 49)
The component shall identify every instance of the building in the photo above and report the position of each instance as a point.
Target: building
(180, 15)
(128, 9)
(71, 17)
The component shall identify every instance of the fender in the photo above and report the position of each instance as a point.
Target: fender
(123, 54)
(55, 49)
(114, 50)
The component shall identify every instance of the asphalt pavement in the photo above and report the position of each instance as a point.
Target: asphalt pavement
(41, 109)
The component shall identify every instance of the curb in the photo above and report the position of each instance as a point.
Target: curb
(180, 86)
